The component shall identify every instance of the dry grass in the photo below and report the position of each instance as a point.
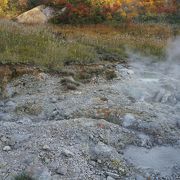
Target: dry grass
(39, 46)
(52, 47)
(147, 39)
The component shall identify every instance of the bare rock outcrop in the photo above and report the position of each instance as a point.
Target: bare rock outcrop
(39, 15)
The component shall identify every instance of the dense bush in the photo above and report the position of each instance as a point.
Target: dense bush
(84, 11)
(3, 6)
(121, 10)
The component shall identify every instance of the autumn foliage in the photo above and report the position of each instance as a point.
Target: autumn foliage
(100, 10)
(3, 5)
(116, 9)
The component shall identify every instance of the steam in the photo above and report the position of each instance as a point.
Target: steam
(170, 66)
(172, 61)
(173, 50)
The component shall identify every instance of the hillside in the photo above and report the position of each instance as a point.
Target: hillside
(89, 90)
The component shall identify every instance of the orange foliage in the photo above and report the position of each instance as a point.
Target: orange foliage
(125, 8)
(109, 9)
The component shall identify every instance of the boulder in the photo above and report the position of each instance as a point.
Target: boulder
(38, 15)
(33, 16)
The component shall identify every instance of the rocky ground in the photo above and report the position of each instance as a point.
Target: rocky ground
(126, 128)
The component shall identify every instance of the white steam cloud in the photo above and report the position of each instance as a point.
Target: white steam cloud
(173, 50)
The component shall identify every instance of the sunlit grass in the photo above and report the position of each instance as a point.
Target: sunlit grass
(146, 39)
(51, 47)
(39, 46)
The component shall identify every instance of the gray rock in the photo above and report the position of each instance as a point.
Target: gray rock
(4, 139)
(70, 86)
(46, 147)
(1, 104)
(110, 178)
(11, 104)
(67, 153)
(113, 175)
(11, 142)
(38, 15)
(6, 148)
(128, 120)
(172, 99)
(62, 170)
(144, 140)
(178, 96)
(25, 120)
(178, 123)
(8, 141)
(69, 80)
(53, 100)
(101, 151)
(39, 172)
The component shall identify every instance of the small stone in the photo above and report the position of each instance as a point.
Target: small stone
(71, 86)
(130, 72)
(39, 172)
(46, 160)
(129, 120)
(4, 139)
(53, 100)
(77, 92)
(62, 170)
(92, 163)
(11, 142)
(101, 151)
(104, 99)
(42, 76)
(113, 175)
(70, 80)
(144, 140)
(46, 147)
(6, 148)
(10, 103)
(25, 120)
(67, 153)
(110, 178)
(1, 104)
(178, 123)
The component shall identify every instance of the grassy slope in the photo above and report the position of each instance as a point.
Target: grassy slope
(53, 46)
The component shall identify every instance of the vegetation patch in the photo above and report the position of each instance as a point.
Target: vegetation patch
(23, 176)
(53, 47)
(110, 74)
(98, 11)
